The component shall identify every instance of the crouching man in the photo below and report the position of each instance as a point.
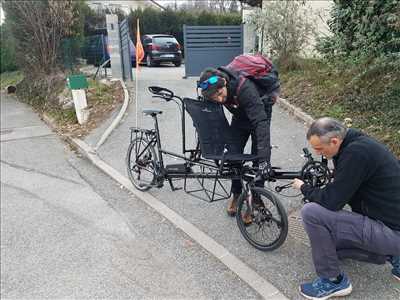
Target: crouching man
(367, 178)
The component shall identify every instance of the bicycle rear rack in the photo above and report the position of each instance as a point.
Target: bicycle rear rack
(211, 186)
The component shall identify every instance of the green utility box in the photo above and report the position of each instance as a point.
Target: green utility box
(77, 82)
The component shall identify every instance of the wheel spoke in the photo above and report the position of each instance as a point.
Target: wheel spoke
(141, 164)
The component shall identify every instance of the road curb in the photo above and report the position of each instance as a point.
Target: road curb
(243, 271)
(295, 111)
(49, 121)
(117, 119)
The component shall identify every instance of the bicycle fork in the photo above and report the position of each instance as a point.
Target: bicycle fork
(249, 197)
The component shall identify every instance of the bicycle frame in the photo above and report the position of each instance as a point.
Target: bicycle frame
(244, 173)
(208, 169)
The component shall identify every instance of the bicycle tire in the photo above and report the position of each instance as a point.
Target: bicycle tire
(138, 166)
(262, 215)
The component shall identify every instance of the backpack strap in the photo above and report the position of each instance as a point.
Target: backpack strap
(238, 76)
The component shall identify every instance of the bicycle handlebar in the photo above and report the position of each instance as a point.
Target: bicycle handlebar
(163, 93)
(313, 172)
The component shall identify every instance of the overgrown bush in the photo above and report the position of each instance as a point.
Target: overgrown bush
(38, 28)
(363, 28)
(42, 92)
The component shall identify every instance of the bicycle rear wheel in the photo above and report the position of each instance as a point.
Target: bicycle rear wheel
(141, 162)
(269, 223)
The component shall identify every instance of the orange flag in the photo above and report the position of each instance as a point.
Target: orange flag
(139, 46)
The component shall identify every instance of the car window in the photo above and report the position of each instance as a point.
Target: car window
(164, 40)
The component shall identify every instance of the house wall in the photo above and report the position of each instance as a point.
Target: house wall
(249, 33)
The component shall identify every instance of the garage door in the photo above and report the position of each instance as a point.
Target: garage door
(210, 46)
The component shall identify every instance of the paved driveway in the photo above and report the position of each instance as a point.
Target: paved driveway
(285, 267)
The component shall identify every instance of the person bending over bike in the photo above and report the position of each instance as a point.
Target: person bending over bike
(367, 178)
(251, 116)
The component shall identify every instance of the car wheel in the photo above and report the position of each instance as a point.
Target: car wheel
(177, 63)
(149, 61)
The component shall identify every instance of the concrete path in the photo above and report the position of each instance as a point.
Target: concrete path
(68, 231)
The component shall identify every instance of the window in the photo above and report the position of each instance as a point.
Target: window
(164, 40)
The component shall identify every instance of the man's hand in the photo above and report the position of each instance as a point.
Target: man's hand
(297, 183)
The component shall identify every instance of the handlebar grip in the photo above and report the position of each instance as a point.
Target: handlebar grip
(161, 97)
(306, 152)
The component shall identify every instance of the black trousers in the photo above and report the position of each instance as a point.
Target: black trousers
(242, 130)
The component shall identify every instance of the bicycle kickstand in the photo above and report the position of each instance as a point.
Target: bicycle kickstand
(173, 188)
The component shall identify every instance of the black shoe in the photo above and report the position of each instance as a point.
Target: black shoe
(232, 205)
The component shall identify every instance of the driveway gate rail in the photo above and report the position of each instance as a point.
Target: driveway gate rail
(125, 50)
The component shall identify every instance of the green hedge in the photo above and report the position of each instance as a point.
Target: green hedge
(154, 21)
(7, 50)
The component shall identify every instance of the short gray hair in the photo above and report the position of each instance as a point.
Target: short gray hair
(327, 128)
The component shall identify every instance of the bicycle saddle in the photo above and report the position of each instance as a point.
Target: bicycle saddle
(152, 112)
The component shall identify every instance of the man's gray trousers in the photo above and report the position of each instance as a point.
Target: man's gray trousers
(336, 235)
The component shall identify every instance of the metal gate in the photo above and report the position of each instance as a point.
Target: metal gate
(125, 50)
(210, 46)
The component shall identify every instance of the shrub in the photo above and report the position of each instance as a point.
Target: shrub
(288, 26)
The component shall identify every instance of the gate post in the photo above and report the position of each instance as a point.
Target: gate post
(126, 55)
(114, 45)
(185, 51)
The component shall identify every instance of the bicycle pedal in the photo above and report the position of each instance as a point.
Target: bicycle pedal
(159, 184)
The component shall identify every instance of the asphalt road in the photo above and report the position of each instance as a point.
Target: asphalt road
(285, 267)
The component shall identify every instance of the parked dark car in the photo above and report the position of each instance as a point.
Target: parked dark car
(161, 48)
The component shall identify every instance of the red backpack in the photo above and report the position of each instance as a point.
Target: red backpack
(257, 68)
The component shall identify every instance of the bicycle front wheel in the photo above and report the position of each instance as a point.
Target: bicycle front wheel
(262, 220)
(141, 162)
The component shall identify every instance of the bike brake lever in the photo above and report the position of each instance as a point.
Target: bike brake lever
(280, 188)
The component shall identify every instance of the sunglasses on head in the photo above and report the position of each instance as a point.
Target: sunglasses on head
(206, 83)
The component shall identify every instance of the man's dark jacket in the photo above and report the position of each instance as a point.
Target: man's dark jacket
(250, 111)
(367, 177)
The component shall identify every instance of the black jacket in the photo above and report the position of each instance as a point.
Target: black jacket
(250, 111)
(367, 177)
